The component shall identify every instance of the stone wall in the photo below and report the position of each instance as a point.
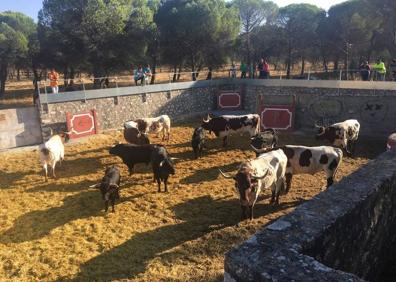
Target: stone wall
(112, 112)
(322, 102)
(373, 108)
(324, 241)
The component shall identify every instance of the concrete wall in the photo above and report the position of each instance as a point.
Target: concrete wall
(322, 102)
(19, 127)
(321, 241)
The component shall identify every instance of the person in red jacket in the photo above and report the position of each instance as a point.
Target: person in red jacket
(54, 77)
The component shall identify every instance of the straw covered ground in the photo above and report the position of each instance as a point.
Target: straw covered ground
(59, 231)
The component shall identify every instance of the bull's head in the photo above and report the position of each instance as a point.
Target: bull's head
(246, 184)
(167, 166)
(321, 132)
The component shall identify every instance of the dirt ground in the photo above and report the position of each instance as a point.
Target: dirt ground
(59, 231)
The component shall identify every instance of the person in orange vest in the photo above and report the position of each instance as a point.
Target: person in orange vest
(53, 77)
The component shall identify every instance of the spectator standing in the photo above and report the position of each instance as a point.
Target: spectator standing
(233, 71)
(263, 68)
(252, 70)
(53, 76)
(365, 70)
(138, 75)
(243, 69)
(147, 74)
(393, 69)
(379, 70)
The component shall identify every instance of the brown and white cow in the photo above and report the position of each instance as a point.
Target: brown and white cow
(266, 171)
(225, 125)
(133, 136)
(343, 134)
(391, 144)
(309, 160)
(152, 125)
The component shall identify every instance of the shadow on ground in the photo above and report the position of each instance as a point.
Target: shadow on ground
(201, 216)
(37, 224)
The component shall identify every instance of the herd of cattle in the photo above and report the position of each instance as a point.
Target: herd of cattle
(273, 167)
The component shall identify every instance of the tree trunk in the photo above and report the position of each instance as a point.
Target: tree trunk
(65, 74)
(72, 75)
(154, 70)
(302, 66)
(174, 74)
(209, 76)
(18, 74)
(179, 73)
(289, 60)
(3, 79)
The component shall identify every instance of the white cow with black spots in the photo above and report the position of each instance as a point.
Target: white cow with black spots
(309, 160)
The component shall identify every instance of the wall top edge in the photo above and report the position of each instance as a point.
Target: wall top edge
(138, 90)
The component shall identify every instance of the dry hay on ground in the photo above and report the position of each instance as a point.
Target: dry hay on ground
(59, 231)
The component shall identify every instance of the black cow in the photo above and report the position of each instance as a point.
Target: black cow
(162, 166)
(109, 186)
(266, 139)
(198, 141)
(133, 154)
(222, 126)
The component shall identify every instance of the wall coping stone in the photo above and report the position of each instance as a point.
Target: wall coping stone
(138, 90)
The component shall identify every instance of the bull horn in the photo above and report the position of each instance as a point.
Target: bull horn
(226, 176)
(161, 163)
(258, 151)
(260, 177)
(97, 185)
(174, 159)
(317, 126)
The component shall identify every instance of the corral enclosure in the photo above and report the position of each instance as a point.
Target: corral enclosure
(59, 231)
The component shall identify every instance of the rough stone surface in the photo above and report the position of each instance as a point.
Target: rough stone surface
(113, 112)
(349, 228)
(372, 107)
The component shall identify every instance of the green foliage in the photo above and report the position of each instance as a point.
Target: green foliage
(197, 31)
(15, 31)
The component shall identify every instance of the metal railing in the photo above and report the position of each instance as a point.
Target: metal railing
(89, 83)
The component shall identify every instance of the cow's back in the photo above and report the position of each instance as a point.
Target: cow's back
(309, 160)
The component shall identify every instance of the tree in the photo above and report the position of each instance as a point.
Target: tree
(15, 30)
(142, 33)
(197, 31)
(254, 13)
(300, 22)
(62, 41)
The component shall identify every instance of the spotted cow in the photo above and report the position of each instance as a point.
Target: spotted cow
(225, 125)
(151, 125)
(266, 171)
(343, 134)
(309, 160)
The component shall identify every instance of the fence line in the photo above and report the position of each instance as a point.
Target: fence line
(129, 80)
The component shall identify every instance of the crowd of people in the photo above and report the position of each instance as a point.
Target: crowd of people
(142, 74)
(251, 71)
(377, 71)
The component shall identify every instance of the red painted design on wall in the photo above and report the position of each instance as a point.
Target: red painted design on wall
(81, 124)
(228, 100)
(279, 117)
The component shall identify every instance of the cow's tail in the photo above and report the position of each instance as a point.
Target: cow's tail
(340, 155)
(258, 124)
